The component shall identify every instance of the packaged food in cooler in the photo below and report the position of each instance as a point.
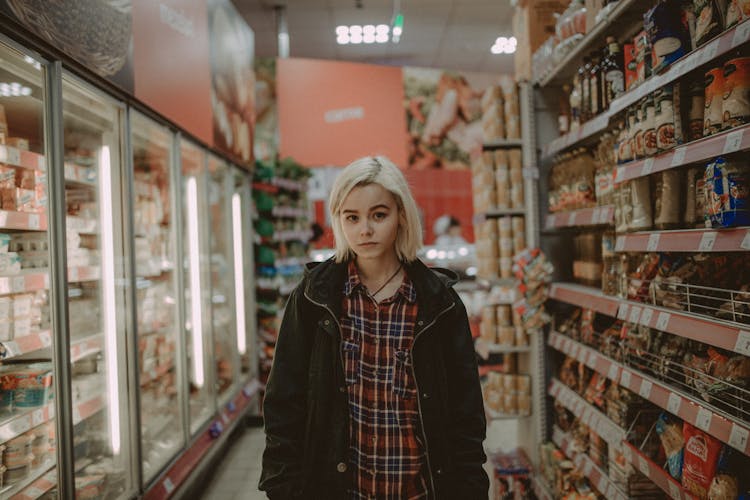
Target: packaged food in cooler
(30, 384)
(14, 475)
(25, 178)
(736, 96)
(727, 193)
(7, 177)
(700, 460)
(17, 451)
(10, 263)
(709, 19)
(90, 487)
(713, 101)
(18, 142)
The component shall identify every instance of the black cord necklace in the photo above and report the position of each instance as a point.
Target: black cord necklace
(389, 280)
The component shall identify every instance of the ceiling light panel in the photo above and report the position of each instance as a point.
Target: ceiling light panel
(357, 34)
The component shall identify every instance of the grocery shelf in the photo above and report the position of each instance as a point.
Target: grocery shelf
(87, 409)
(20, 422)
(82, 225)
(83, 273)
(82, 348)
(724, 334)
(702, 150)
(486, 369)
(26, 344)
(289, 212)
(483, 347)
(686, 240)
(39, 481)
(496, 415)
(26, 281)
(290, 261)
(23, 221)
(565, 69)
(155, 373)
(289, 184)
(540, 488)
(584, 217)
(80, 175)
(722, 427)
(495, 213)
(21, 158)
(596, 476)
(724, 43)
(185, 464)
(281, 236)
(587, 413)
(655, 473)
(502, 144)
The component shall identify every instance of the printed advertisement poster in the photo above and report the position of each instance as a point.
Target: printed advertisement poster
(444, 116)
(171, 62)
(232, 48)
(332, 112)
(96, 33)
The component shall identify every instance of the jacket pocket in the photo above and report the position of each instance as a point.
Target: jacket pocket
(351, 361)
(403, 381)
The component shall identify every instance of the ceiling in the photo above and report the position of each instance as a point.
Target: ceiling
(448, 34)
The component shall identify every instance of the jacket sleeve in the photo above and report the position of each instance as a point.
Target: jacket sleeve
(466, 424)
(285, 404)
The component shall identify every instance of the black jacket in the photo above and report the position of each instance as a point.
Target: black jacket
(306, 409)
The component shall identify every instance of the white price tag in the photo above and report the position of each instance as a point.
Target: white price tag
(34, 221)
(733, 142)
(645, 390)
(678, 158)
(741, 34)
(709, 51)
(620, 244)
(614, 372)
(673, 404)
(643, 466)
(738, 437)
(567, 345)
(745, 245)
(591, 363)
(573, 351)
(596, 216)
(619, 175)
(742, 346)
(653, 242)
(168, 485)
(582, 355)
(703, 419)
(648, 167)
(572, 218)
(625, 379)
(587, 466)
(586, 419)
(37, 417)
(674, 490)
(663, 321)
(627, 454)
(635, 314)
(646, 316)
(603, 484)
(707, 242)
(622, 312)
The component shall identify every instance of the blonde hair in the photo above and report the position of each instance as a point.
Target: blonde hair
(377, 170)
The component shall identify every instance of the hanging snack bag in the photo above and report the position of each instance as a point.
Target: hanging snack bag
(736, 96)
(667, 33)
(673, 442)
(701, 458)
(709, 19)
(713, 101)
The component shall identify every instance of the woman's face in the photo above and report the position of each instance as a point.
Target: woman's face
(370, 218)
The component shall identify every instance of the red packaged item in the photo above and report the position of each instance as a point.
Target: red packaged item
(631, 66)
(700, 460)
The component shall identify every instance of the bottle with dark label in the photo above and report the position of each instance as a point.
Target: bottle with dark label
(583, 75)
(575, 104)
(596, 97)
(613, 71)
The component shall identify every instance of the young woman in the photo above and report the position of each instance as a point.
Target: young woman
(374, 391)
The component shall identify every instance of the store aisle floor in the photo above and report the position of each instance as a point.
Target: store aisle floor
(236, 476)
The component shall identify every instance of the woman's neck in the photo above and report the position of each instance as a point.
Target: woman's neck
(376, 270)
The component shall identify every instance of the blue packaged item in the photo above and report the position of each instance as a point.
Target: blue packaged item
(669, 431)
(727, 189)
(667, 33)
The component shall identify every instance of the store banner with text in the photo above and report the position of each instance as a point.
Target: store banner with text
(331, 113)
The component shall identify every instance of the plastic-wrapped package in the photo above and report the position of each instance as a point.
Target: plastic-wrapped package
(726, 193)
(700, 460)
(713, 101)
(709, 16)
(737, 11)
(668, 194)
(736, 96)
(673, 442)
(648, 113)
(667, 33)
(642, 218)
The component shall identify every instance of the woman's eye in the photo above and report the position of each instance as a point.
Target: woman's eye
(380, 215)
(352, 218)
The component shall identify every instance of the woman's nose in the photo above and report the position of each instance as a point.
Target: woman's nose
(366, 227)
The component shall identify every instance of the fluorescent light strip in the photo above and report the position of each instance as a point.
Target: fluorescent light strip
(108, 297)
(239, 273)
(367, 34)
(195, 282)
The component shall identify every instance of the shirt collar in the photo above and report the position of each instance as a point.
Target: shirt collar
(353, 282)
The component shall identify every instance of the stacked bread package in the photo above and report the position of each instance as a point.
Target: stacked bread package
(501, 114)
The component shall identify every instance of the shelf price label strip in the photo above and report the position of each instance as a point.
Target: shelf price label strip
(681, 405)
(724, 240)
(712, 332)
(584, 217)
(726, 42)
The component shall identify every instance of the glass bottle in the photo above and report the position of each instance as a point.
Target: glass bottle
(613, 70)
(584, 75)
(575, 104)
(596, 102)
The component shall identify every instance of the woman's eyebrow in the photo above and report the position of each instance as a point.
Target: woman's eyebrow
(381, 205)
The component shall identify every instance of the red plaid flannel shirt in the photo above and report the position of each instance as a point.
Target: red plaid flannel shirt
(387, 458)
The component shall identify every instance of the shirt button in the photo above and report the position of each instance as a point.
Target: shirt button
(425, 395)
(420, 322)
(327, 322)
(341, 467)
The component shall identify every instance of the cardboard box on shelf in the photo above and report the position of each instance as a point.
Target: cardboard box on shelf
(533, 22)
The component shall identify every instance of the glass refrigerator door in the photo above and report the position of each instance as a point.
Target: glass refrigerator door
(223, 317)
(157, 316)
(197, 285)
(27, 408)
(244, 277)
(96, 291)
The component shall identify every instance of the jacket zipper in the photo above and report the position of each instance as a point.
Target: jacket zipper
(338, 325)
(419, 399)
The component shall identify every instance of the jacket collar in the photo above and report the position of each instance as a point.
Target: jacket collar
(325, 285)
